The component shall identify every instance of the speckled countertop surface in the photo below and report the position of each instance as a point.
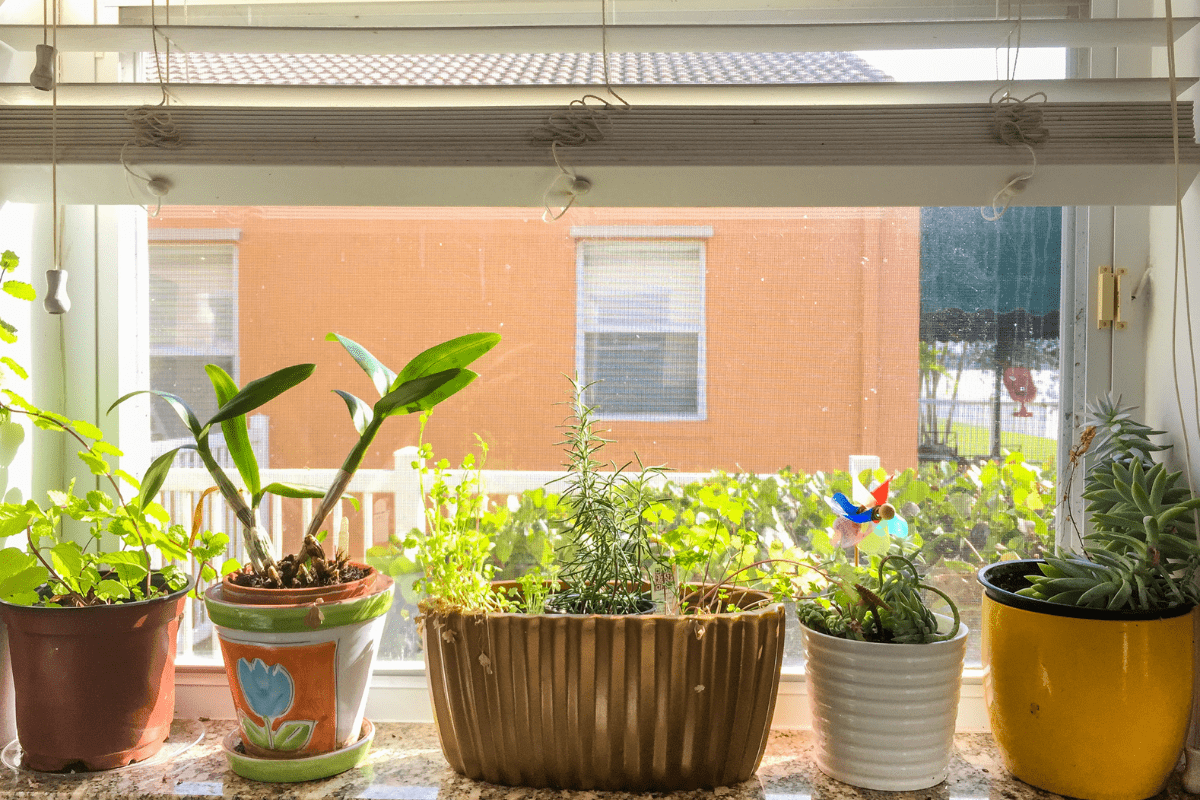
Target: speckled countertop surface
(406, 764)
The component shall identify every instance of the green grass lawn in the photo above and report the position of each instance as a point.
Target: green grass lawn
(974, 440)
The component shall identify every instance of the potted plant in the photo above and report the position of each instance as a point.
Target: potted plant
(1088, 655)
(92, 624)
(883, 675)
(299, 635)
(571, 679)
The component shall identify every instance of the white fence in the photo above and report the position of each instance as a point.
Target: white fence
(400, 486)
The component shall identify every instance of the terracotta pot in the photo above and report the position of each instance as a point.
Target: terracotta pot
(299, 672)
(635, 703)
(252, 595)
(1084, 702)
(95, 687)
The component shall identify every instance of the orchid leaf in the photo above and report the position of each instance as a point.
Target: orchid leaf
(456, 353)
(156, 475)
(410, 394)
(181, 408)
(381, 376)
(360, 412)
(262, 390)
(237, 438)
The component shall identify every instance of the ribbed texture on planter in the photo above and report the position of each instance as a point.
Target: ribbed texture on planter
(605, 702)
(884, 714)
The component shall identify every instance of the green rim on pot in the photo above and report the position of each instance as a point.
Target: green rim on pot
(297, 618)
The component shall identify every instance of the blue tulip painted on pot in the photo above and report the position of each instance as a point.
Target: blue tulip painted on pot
(268, 690)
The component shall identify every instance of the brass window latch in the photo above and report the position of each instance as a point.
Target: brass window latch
(1108, 298)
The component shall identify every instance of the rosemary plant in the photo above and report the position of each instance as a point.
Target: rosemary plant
(611, 557)
(1142, 552)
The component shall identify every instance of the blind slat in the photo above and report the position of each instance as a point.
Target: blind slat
(779, 37)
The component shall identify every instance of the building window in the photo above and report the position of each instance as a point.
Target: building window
(640, 324)
(193, 322)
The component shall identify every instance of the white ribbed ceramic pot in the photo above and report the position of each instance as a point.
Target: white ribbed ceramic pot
(884, 714)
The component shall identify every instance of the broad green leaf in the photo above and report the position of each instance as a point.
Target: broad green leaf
(360, 412)
(8, 333)
(262, 390)
(107, 448)
(125, 476)
(412, 392)
(257, 735)
(156, 475)
(230, 565)
(157, 512)
(17, 369)
(293, 734)
(453, 354)
(85, 428)
(237, 438)
(441, 393)
(8, 260)
(20, 290)
(381, 376)
(95, 463)
(20, 402)
(67, 559)
(20, 576)
(111, 590)
(181, 408)
(11, 525)
(47, 424)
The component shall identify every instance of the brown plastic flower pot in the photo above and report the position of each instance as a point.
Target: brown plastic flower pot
(95, 686)
(634, 703)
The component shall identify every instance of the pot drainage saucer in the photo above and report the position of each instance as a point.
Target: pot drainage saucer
(185, 733)
(292, 770)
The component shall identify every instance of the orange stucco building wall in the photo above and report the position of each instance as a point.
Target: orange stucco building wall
(811, 323)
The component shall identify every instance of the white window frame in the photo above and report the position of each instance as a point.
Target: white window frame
(105, 254)
(585, 237)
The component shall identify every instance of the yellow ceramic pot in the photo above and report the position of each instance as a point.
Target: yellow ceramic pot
(1089, 704)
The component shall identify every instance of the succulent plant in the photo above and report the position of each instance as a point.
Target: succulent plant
(880, 605)
(1142, 552)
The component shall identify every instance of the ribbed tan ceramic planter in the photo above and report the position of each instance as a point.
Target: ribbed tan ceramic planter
(638, 703)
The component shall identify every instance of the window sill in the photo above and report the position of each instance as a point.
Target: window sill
(406, 763)
(399, 693)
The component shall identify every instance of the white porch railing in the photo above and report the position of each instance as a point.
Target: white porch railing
(399, 485)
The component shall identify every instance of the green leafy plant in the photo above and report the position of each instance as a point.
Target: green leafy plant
(425, 381)
(1142, 553)
(53, 570)
(879, 603)
(453, 551)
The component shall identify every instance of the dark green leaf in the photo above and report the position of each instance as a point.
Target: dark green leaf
(360, 412)
(156, 475)
(411, 394)
(181, 408)
(457, 352)
(262, 390)
(237, 438)
(380, 375)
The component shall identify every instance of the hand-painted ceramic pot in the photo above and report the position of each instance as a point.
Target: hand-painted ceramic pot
(299, 672)
(1084, 702)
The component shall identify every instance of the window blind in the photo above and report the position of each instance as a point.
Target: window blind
(443, 132)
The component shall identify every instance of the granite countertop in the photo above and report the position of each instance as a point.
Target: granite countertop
(406, 763)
